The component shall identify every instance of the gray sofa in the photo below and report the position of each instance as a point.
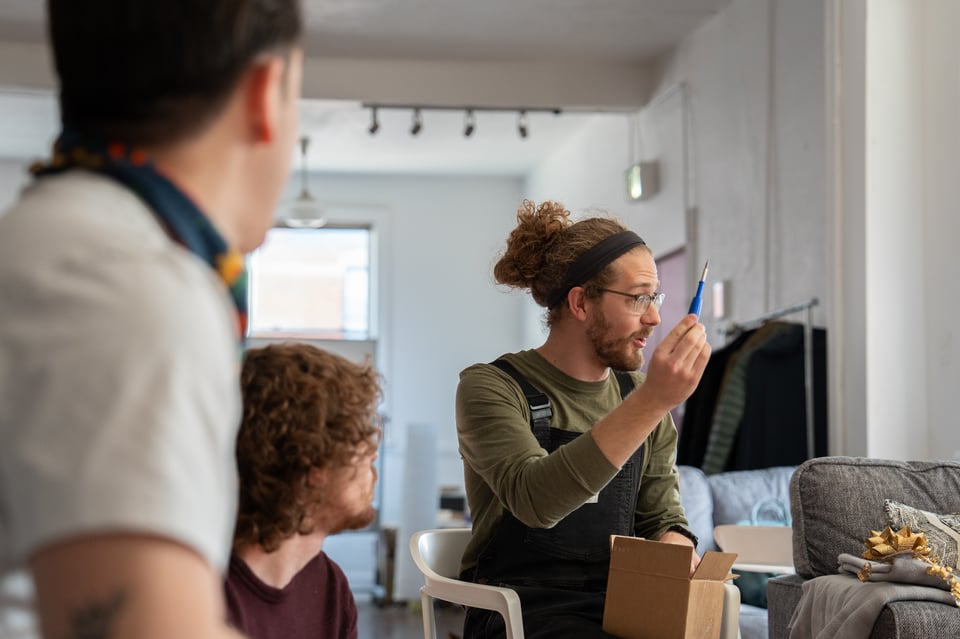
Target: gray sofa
(835, 502)
(729, 498)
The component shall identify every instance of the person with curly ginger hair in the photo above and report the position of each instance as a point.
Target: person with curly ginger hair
(558, 453)
(305, 453)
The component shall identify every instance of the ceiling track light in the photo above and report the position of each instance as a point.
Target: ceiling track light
(470, 118)
(417, 122)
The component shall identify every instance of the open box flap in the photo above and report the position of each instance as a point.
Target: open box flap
(715, 566)
(651, 557)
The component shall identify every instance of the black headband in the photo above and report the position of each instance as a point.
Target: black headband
(593, 261)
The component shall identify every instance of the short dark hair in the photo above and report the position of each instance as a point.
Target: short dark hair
(303, 408)
(158, 71)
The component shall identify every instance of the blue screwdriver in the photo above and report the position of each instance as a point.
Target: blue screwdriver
(698, 298)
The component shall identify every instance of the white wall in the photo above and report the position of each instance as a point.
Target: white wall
(897, 425)
(738, 124)
(443, 311)
(846, 201)
(897, 91)
(941, 192)
(754, 76)
(911, 87)
(587, 174)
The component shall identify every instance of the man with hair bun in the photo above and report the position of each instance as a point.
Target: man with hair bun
(305, 452)
(558, 453)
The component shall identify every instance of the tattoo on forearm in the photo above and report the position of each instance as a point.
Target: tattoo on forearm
(97, 620)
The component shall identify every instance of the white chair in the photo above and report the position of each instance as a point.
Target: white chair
(759, 548)
(437, 554)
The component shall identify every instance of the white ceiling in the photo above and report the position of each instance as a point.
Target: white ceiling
(492, 31)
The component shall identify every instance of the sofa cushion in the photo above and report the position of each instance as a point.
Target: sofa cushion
(698, 505)
(837, 501)
(735, 493)
(942, 531)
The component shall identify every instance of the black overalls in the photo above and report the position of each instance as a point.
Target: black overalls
(559, 573)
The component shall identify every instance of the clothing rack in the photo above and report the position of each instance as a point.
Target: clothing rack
(739, 327)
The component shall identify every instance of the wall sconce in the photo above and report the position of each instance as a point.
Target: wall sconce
(643, 180)
(417, 122)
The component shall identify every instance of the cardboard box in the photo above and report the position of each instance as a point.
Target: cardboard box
(651, 595)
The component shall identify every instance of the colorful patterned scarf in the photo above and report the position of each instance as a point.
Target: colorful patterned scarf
(177, 213)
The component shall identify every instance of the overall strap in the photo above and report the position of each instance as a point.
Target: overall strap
(540, 409)
(626, 383)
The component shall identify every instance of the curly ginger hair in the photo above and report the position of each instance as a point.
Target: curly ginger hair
(303, 409)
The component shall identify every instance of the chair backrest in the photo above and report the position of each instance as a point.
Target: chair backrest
(437, 555)
(440, 551)
(758, 548)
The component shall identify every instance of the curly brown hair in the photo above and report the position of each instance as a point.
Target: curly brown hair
(542, 247)
(303, 409)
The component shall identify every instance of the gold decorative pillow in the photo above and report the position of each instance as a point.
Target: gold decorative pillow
(942, 531)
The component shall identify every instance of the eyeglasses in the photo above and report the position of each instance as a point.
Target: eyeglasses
(641, 302)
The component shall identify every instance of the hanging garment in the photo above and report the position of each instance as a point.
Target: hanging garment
(773, 428)
(731, 401)
(698, 411)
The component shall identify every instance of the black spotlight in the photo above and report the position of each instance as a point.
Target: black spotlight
(522, 125)
(417, 122)
(469, 123)
(374, 122)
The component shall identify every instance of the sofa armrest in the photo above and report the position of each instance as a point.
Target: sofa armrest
(783, 595)
(837, 501)
(917, 620)
(899, 619)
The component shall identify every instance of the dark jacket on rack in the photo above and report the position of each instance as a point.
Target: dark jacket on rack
(769, 424)
(773, 429)
(698, 415)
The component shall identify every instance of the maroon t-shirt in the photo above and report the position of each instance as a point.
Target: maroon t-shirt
(316, 604)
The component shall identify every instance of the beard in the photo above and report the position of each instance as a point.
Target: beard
(354, 521)
(338, 512)
(618, 353)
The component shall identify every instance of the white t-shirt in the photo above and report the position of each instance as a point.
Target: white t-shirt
(119, 387)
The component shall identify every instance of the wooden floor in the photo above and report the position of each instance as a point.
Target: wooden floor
(400, 621)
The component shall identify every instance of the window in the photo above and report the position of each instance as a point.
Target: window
(312, 283)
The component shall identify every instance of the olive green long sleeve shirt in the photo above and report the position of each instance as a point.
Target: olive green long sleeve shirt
(505, 467)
